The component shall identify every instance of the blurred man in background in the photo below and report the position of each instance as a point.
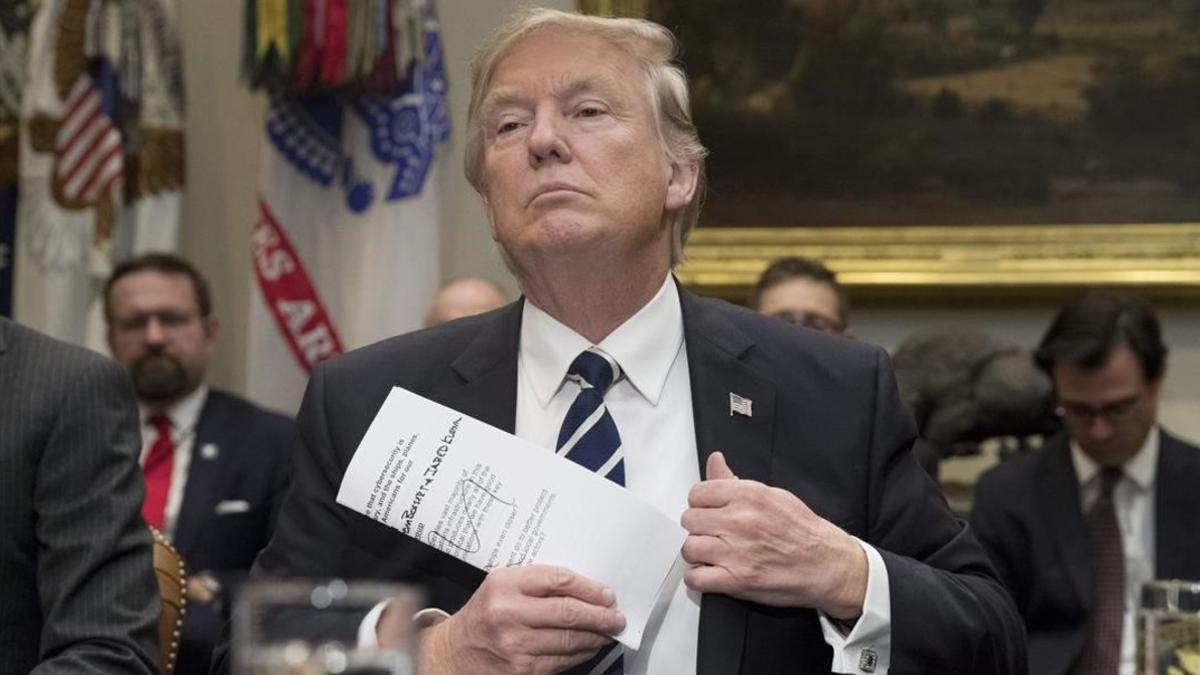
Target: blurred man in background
(1077, 526)
(215, 465)
(465, 296)
(805, 292)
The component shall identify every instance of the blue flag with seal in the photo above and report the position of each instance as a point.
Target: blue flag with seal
(346, 245)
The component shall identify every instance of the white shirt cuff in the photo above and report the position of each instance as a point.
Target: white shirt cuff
(368, 636)
(867, 648)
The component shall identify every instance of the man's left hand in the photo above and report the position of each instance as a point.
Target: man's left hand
(762, 544)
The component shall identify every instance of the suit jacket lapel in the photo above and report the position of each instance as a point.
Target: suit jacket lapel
(1058, 490)
(488, 368)
(715, 351)
(1177, 551)
(203, 485)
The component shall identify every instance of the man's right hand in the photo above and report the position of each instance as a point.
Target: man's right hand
(532, 619)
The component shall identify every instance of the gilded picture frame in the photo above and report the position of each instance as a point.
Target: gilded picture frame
(948, 257)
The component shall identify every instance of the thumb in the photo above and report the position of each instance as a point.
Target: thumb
(716, 468)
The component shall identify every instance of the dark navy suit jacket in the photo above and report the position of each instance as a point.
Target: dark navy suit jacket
(1029, 517)
(827, 425)
(230, 503)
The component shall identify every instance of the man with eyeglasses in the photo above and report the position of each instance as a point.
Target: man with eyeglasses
(804, 292)
(215, 465)
(1078, 525)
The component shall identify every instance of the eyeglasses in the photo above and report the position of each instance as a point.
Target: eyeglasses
(810, 320)
(1114, 412)
(168, 319)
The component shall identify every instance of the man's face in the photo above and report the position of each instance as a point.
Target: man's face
(156, 331)
(803, 301)
(1109, 410)
(461, 298)
(572, 159)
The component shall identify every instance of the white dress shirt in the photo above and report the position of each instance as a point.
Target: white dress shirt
(183, 415)
(1133, 500)
(652, 407)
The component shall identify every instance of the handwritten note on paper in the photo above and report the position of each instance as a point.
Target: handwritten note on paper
(493, 500)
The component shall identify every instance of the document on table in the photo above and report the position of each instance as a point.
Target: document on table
(494, 500)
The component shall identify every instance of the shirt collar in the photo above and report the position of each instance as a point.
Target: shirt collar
(184, 413)
(1139, 468)
(645, 345)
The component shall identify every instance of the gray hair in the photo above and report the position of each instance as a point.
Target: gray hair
(651, 45)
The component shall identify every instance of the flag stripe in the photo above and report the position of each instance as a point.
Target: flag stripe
(89, 148)
(74, 147)
(78, 95)
(84, 172)
(106, 175)
(77, 122)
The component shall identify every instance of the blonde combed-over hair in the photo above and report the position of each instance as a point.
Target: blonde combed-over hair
(652, 45)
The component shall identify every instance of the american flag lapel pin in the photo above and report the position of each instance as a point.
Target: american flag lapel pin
(740, 405)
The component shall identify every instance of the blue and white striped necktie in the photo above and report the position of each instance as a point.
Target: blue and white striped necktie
(589, 438)
(588, 435)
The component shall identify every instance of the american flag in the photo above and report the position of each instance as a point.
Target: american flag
(91, 157)
(740, 405)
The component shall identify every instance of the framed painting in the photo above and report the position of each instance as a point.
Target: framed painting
(945, 148)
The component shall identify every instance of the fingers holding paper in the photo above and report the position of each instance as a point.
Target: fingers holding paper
(532, 619)
(763, 544)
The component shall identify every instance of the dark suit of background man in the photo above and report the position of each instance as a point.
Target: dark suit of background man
(590, 198)
(215, 465)
(77, 589)
(1076, 526)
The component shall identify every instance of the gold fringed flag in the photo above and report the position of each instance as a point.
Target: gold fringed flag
(101, 156)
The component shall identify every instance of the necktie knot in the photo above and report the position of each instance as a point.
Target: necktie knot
(161, 424)
(595, 369)
(1109, 477)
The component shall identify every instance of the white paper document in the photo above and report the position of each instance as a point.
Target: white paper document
(493, 500)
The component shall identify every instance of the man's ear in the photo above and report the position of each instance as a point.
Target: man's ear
(491, 217)
(1156, 386)
(681, 188)
(212, 330)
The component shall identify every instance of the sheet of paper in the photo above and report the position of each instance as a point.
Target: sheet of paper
(493, 500)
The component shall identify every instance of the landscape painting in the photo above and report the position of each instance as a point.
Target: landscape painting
(835, 113)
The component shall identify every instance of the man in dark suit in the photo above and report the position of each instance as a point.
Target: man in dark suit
(215, 465)
(1076, 526)
(816, 543)
(77, 590)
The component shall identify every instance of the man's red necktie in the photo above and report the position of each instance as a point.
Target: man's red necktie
(157, 470)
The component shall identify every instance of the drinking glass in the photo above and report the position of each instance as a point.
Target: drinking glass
(310, 627)
(1168, 628)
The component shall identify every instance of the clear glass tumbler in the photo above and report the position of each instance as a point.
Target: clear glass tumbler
(310, 627)
(1168, 628)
